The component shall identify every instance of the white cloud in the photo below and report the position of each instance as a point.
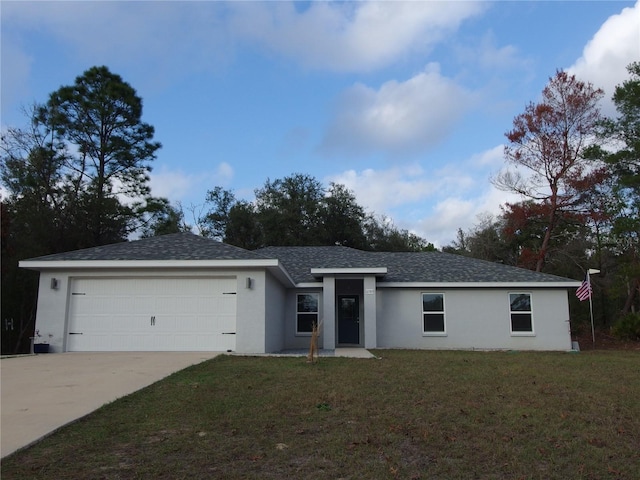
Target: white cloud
(493, 158)
(177, 185)
(448, 215)
(91, 26)
(490, 56)
(381, 190)
(399, 117)
(432, 203)
(171, 184)
(138, 35)
(224, 173)
(605, 58)
(349, 36)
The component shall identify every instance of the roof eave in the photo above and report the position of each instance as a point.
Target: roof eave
(377, 271)
(282, 275)
(512, 285)
(509, 285)
(145, 264)
(272, 265)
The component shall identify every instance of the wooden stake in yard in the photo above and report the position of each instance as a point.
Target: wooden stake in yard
(313, 347)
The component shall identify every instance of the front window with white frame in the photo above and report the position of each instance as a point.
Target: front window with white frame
(521, 313)
(306, 312)
(433, 318)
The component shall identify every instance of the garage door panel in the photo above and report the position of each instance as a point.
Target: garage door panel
(152, 314)
(109, 342)
(135, 342)
(109, 324)
(226, 323)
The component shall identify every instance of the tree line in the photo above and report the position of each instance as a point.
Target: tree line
(294, 210)
(578, 174)
(78, 176)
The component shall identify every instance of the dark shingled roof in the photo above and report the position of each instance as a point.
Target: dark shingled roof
(299, 261)
(175, 246)
(431, 267)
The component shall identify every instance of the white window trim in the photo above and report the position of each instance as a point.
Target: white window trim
(444, 314)
(532, 333)
(317, 295)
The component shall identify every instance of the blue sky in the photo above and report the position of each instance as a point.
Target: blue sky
(406, 103)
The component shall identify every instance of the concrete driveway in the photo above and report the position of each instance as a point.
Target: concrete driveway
(41, 393)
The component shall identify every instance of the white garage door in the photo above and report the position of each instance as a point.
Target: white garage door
(152, 314)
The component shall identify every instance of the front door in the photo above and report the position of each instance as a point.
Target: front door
(348, 319)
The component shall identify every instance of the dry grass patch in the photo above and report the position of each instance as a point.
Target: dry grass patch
(410, 415)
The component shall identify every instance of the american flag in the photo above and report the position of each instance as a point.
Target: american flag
(584, 290)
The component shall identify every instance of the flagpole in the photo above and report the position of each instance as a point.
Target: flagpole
(589, 272)
(593, 333)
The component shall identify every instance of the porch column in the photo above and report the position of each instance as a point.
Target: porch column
(370, 335)
(329, 312)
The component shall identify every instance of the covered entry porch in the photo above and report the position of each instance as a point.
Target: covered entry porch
(349, 306)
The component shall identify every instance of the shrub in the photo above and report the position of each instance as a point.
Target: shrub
(628, 327)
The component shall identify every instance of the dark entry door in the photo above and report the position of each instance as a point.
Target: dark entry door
(348, 319)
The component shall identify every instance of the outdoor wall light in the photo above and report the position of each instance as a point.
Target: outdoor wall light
(249, 283)
(55, 283)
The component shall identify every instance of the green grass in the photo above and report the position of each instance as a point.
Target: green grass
(406, 415)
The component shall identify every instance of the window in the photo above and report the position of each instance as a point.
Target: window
(433, 313)
(520, 311)
(306, 312)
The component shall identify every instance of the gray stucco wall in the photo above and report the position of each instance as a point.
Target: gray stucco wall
(250, 324)
(275, 295)
(474, 318)
(266, 314)
(52, 307)
(53, 304)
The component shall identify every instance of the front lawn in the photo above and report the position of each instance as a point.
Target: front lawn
(408, 414)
